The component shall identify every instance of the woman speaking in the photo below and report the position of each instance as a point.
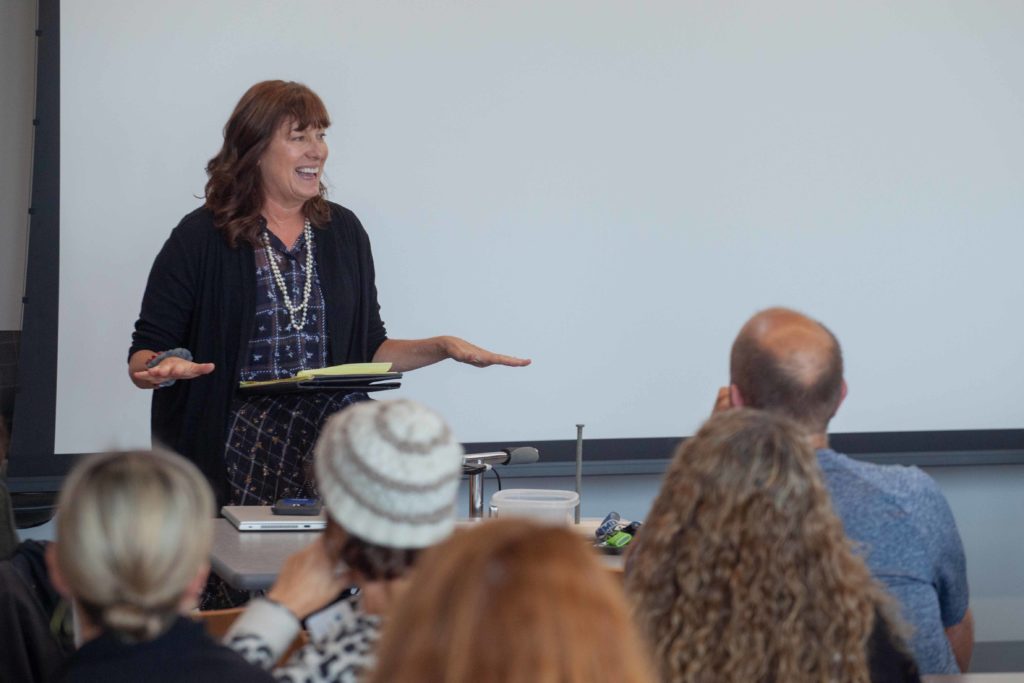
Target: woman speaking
(265, 279)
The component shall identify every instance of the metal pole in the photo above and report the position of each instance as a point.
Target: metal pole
(476, 494)
(579, 469)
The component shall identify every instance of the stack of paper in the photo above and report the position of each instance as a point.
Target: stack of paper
(347, 377)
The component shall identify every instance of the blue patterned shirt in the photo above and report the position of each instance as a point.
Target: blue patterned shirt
(907, 535)
(276, 349)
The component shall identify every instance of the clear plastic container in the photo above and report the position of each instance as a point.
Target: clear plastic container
(556, 507)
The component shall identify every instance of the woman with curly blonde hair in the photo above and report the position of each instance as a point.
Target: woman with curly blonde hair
(742, 571)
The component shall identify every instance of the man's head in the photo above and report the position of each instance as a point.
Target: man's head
(787, 363)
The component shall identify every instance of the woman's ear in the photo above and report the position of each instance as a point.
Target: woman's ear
(53, 569)
(190, 598)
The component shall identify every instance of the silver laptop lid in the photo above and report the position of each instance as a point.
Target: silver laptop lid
(260, 518)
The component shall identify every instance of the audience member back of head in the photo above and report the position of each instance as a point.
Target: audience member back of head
(742, 571)
(787, 363)
(388, 473)
(131, 554)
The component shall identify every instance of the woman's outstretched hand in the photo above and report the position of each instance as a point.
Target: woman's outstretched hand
(171, 369)
(471, 354)
(410, 354)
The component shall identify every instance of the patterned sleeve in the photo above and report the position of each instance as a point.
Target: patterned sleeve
(343, 652)
(262, 633)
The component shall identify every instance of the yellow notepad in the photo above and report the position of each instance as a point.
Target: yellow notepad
(346, 369)
(333, 371)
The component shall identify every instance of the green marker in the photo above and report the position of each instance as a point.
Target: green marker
(618, 540)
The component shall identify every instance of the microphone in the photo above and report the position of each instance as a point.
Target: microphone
(521, 455)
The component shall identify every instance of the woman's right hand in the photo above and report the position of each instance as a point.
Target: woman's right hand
(168, 369)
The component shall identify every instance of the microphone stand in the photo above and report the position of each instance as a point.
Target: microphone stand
(476, 464)
(476, 489)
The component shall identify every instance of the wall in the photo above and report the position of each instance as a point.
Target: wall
(609, 188)
(17, 83)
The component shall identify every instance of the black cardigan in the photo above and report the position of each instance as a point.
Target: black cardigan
(201, 296)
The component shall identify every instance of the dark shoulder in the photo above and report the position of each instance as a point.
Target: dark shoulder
(346, 225)
(216, 663)
(199, 221)
(888, 656)
(342, 215)
(201, 659)
(197, 233)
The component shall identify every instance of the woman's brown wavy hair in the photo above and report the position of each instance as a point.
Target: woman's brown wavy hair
(742, 571)
(234, 191)
(511, 601)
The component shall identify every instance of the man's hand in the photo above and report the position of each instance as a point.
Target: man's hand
(723, 401)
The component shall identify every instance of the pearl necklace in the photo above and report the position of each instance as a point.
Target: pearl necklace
(307, 233)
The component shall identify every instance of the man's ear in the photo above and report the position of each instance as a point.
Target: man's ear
(736, 397)
(842, 395)
(52, 568)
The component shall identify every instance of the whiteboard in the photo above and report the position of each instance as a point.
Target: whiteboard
(608, 188)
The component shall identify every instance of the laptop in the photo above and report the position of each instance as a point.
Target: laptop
(260, 518)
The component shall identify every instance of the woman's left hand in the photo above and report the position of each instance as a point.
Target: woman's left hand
(310, 579)
(410, 354)
(471, 354)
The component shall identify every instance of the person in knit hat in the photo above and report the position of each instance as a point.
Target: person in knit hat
(388, 473)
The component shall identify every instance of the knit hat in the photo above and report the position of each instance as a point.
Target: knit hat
(388, 472)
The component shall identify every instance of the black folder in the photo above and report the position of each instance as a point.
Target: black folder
(346, 383)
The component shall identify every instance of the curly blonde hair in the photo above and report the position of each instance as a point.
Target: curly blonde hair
(742, 571)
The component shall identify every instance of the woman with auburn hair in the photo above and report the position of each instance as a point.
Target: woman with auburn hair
(132, 552)
(511, 601)
(742, 571)
(267, 278)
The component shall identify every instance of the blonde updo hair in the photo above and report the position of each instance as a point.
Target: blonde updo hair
(133, 529)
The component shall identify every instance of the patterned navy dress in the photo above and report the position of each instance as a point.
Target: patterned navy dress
(269, 449)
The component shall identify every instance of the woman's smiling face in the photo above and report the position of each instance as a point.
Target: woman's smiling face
(293, 164)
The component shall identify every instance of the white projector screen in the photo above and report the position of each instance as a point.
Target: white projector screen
(610, 188)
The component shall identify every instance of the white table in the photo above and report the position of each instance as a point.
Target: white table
(251, 560)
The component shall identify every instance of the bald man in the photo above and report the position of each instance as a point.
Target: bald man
(787, 363)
